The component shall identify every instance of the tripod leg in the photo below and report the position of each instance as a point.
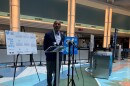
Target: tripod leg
(15, 69)
(62, 67)
(36, 69)
(73, 83)
(68, 71)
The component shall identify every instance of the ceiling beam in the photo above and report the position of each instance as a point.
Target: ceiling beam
(110, 1)
(103, 6)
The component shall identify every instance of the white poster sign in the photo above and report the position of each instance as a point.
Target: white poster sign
(20, 43)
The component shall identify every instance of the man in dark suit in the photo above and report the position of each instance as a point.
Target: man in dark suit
(53, 38)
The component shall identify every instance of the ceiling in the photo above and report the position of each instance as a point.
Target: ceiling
(42, 25)
(32, 26)
(121, 3)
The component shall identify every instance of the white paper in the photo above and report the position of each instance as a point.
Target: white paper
(20, 43)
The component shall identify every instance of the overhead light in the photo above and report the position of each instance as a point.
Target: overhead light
(78, 24)
(93, 26)
(110, 1)
(1, 32)
(61, 22)
(39, 19)
(80, 29)
(8, 14)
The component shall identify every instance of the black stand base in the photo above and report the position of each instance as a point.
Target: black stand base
(75, 62)
(14, 65)
(21, 65)
(1, 76)
(17, 65)
(73, 83)
(88, 60)
(40, 64)
(31, 65)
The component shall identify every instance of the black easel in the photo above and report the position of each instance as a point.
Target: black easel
(35, 67)
(16, 67)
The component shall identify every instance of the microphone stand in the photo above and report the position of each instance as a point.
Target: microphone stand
(73, 83)
(69, 44)
(72, 80)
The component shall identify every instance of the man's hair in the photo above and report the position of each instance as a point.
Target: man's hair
(57, 21)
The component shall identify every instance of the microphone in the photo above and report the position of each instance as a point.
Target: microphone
(54, 43)
(72, 43)
(69, 41)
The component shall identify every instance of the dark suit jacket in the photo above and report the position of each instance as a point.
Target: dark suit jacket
(49, 40)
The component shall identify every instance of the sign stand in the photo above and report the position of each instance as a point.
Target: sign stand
(17, 44)
(31, 59)
(16, 67)
(22, 62)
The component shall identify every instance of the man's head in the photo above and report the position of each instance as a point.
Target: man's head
(57, 25)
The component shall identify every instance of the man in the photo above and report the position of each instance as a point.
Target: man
(53, 38)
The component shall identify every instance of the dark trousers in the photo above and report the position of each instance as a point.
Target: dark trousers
(51, 69)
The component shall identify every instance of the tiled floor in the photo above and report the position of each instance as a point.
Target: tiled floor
(120, 74)
(27, 76)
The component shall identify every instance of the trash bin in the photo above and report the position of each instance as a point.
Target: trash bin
(102, 64)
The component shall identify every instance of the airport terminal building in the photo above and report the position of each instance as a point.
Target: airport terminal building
(102, 30)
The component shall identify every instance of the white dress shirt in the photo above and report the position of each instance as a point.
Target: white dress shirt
(57, 38)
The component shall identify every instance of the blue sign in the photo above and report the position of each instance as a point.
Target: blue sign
(74, 42)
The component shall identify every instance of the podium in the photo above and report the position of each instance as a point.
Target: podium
(56, 49)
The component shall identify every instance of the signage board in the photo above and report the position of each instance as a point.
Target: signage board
(20, 43)
(74, 42)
